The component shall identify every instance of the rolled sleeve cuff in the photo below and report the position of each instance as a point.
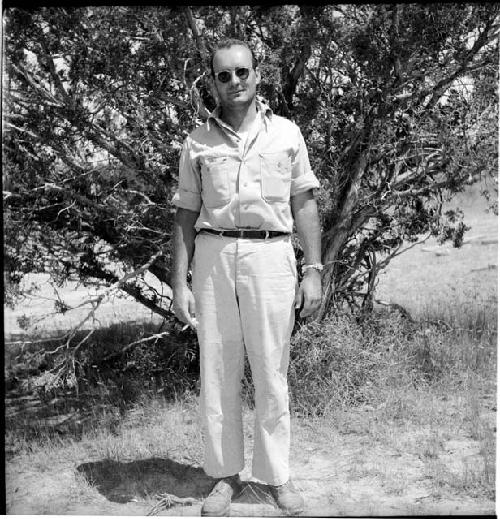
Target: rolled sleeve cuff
(187, 200)
(304, 183)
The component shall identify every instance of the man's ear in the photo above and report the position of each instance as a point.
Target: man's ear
(257, 75)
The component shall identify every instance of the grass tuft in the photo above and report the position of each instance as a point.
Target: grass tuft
(341, 363)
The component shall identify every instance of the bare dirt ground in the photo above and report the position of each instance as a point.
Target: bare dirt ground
(341, 472)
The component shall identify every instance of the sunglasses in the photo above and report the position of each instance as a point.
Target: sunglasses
(225, 75)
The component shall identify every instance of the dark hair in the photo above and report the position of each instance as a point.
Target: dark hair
(226, 44)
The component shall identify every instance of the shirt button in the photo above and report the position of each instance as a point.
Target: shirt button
(245, 206)
(245, 184)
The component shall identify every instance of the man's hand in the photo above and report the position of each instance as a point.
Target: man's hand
(184, 306)
(308, 294)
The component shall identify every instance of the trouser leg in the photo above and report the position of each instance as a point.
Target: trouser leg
(265, 283)
(221, 354)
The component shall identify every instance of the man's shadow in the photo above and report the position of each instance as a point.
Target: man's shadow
(122, 482)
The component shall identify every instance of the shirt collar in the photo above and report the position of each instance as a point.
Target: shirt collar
(262, 108)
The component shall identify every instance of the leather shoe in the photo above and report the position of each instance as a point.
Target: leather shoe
(218, 502)
(288, 498)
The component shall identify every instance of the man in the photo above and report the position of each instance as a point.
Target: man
(244, 177)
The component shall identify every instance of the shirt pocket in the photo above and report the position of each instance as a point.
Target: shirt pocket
(275, 174)
(216, 174)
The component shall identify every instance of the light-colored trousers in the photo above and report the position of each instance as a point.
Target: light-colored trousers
(244, 291)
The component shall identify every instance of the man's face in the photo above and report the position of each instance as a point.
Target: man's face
(237, 91)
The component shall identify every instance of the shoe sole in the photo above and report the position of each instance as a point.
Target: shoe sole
(223, 513)
(292, 512)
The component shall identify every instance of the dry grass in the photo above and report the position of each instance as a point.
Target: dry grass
(151, 430)
(153, 427)
(451, 424)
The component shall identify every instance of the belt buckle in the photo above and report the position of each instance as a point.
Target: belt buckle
(221, 233)
(242, 233)
(267, 235)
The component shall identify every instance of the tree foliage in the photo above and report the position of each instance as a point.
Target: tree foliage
(397, 106)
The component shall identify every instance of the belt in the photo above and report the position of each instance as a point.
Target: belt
(255, 234)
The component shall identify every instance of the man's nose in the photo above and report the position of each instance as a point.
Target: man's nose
(234, 78)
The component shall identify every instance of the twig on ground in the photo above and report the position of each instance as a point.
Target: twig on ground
(168, 500)
(131, 344)
(263, 498)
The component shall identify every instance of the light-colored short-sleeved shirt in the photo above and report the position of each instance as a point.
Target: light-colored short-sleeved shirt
(235, 185)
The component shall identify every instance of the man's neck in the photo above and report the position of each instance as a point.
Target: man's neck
(240, 119)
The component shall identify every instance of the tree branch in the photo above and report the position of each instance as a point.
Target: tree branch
(199, 41)
(47, 58)
(438, 89)
(134, 291)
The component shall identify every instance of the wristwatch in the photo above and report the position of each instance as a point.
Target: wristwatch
(316, 266)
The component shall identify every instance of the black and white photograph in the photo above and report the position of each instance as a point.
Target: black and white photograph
(250, 259)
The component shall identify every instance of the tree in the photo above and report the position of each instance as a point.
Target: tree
(396, 104)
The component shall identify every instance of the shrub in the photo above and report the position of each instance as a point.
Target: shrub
(346, 361)
(104, 363)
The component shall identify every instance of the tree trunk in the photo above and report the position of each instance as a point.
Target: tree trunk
(336, 237)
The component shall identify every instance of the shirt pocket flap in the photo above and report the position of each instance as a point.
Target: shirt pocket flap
(276, 161)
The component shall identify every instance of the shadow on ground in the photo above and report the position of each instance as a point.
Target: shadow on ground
(121, 482)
